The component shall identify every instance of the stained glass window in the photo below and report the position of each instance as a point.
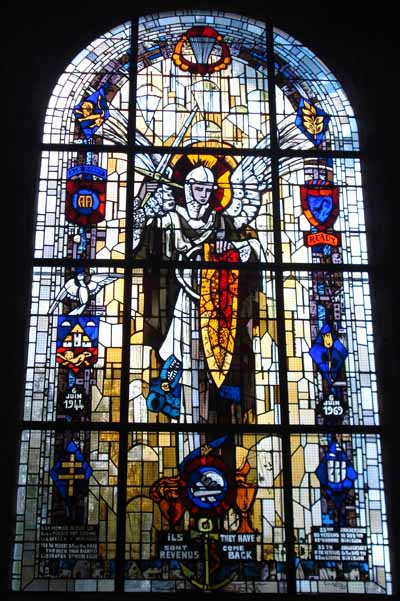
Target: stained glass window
(201, 407)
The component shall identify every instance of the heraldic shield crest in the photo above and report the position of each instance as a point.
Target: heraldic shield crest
(77, 341)
(320, 203)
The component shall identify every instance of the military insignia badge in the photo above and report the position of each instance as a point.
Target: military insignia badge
(71, 473)
(165, 391)
(207, 486)
(336, 473)
(91, 113)
(312, 121)
(320, 204)
(328, 353)
(86, 195)
(201, 50)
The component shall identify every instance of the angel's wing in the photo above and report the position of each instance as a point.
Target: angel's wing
(147, 162)
(99, 280)
(291, 137)
(69, 289)
(252, 176)
(115, 128)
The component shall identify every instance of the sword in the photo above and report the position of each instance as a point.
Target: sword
(163, 164)
(158, 177)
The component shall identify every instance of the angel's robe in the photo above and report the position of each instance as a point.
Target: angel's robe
(183, 240)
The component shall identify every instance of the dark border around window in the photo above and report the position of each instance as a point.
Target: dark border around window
(35, 76)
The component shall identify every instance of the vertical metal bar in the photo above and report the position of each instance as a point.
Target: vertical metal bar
(126, 328)
(283, 387)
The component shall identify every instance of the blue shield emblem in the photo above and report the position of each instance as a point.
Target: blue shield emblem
(71, 473)
(336, 473)
(328, 353)
(91, 112)
(312, 121)
(320, 207)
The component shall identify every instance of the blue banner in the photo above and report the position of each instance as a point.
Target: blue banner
(87, 169)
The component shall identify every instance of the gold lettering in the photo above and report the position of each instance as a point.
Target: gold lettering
(322, 238)
(85, 201)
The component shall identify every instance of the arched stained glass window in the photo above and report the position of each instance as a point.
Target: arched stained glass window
(201, 404)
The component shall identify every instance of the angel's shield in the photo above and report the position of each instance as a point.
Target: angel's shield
(218, 311)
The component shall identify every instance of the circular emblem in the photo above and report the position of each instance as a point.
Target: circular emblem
(85, 201)
(206, 485)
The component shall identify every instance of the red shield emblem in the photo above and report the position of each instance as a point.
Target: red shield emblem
(320, 203)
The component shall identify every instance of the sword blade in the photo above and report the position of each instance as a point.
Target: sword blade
(157, 177)
(162, 165)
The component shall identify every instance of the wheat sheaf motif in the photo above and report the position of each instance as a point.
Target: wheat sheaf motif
(312, 122)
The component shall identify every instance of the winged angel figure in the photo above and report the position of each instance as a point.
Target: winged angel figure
(203, 218)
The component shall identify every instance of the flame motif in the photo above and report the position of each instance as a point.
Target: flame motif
(312, 122)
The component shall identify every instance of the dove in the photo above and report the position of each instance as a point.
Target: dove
(81, 288)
